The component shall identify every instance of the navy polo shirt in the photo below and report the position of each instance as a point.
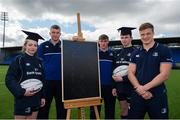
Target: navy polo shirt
(122, 56)
(148, 64)
(106, 62)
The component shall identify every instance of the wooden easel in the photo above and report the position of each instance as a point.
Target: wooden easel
(81, 104)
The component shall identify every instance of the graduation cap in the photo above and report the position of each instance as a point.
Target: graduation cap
(126, 30)
(33, 36)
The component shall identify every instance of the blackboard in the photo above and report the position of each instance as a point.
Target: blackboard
(80, 70)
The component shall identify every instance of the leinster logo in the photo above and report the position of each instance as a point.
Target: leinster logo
(129, 54)
(155, 54)
(137, 55)
(111, 54)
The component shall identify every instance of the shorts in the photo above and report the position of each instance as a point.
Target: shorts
(123, 96)
(124, 91)
(156, 107)
(25, 111)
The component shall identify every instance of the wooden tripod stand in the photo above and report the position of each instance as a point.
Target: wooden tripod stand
(81, 104)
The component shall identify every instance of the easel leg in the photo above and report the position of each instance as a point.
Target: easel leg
(68, 114)
(81, 113)
(96, 112)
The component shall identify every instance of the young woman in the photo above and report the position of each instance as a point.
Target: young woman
(25, 67)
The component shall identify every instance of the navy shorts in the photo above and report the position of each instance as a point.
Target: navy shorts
(123, 96)
(25, 111)
(124, 92)
(157, 107)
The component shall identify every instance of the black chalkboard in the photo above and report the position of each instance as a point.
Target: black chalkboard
(80, 70)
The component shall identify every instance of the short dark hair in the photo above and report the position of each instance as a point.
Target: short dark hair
(55, 27)
(103, 37)
(146, 26)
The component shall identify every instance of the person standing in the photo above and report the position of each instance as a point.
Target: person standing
(106, 61)
(50, 52)
(123, 87)
(26, 68)
(149, 68)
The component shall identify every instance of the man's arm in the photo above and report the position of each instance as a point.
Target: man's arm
(165, 69)
(139, 88)
(131, 75)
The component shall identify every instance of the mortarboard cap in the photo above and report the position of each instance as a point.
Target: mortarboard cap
(126, 30)
(32, 36)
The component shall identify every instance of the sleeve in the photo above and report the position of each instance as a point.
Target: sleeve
(114, 58)
(125, 78)
(113, 67)
(40, 51)
(43, 80)
(166, 55)
(12, 79)
(133, 57)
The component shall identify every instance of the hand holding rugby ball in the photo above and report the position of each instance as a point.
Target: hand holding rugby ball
(120, 72)
(34, 85)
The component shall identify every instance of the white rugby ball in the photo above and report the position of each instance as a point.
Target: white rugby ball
(32, 84)
(121, 70)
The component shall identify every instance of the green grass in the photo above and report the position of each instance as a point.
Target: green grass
(173, 86)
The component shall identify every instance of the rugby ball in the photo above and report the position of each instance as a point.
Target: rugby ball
(121, 70)
(32, 84)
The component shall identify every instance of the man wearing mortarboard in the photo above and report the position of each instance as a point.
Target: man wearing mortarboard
(123, 88)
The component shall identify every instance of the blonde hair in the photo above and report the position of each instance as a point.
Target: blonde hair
(24, 45)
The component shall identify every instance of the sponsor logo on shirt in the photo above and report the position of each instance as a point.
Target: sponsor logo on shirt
(35, 69)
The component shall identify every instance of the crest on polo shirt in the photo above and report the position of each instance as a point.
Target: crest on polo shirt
(111, 54)
(129, 54)
(46, 46)
(137, 55)
(155, 54)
